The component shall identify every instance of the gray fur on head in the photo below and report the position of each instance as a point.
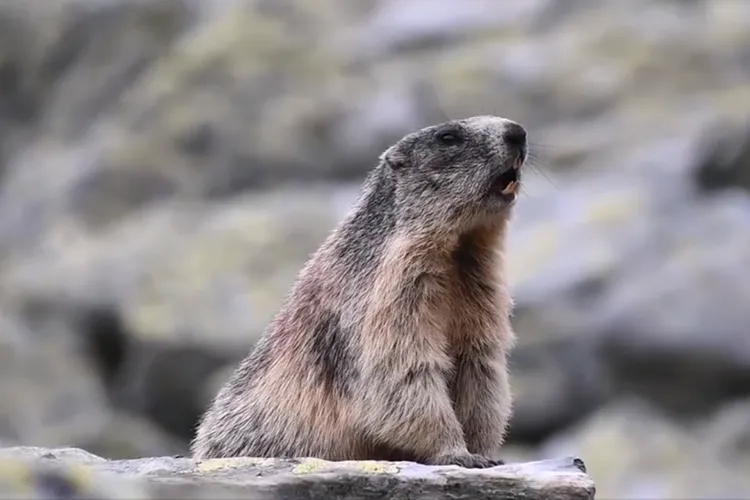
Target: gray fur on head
(444, 174)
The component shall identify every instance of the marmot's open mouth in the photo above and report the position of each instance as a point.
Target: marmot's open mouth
(506, 183)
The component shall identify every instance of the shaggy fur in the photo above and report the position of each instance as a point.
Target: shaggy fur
(392, 343)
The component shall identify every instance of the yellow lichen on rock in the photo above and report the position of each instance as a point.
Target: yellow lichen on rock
(220, 464)
(21, 477)
(309, 465)
(16, 475)
(312, 465)
(377, 467)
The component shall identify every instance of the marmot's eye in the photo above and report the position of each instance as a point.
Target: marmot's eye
(449, 138)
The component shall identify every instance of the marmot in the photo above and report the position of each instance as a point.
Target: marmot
(392, 343)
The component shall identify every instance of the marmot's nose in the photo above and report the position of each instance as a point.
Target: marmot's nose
(514, 135)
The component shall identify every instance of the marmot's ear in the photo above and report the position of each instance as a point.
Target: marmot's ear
(393, 158)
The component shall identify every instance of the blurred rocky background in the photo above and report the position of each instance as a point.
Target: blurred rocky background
(166, 167)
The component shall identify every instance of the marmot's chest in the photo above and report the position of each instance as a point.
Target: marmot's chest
(474, 318)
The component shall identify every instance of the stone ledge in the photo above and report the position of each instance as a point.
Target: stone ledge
(27, 472)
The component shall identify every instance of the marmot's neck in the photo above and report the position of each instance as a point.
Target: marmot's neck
(374, 222)
(485, 243)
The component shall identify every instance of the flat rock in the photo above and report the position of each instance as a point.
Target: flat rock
(50, 473)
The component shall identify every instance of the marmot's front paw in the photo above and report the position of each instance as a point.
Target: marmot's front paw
(468, 461)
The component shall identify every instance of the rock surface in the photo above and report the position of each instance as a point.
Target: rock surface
(51, 473)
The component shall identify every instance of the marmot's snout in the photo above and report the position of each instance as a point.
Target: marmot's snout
(514, 137)
(507, 181)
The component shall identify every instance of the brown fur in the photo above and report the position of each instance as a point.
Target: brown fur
(393, 342)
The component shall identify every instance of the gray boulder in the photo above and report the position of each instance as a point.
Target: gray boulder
(634, 450)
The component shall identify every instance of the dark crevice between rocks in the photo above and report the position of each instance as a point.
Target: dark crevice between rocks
(17, 104)
(106, 341)
(573, 380)
(172, 396)
(53, 485)
(97, 329)
(685, 384)
(167, 384)
(723, 161)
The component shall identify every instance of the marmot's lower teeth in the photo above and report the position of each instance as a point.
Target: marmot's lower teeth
(507, 182)
(510, 188)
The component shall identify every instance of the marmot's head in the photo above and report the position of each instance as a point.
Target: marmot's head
(458, 173)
